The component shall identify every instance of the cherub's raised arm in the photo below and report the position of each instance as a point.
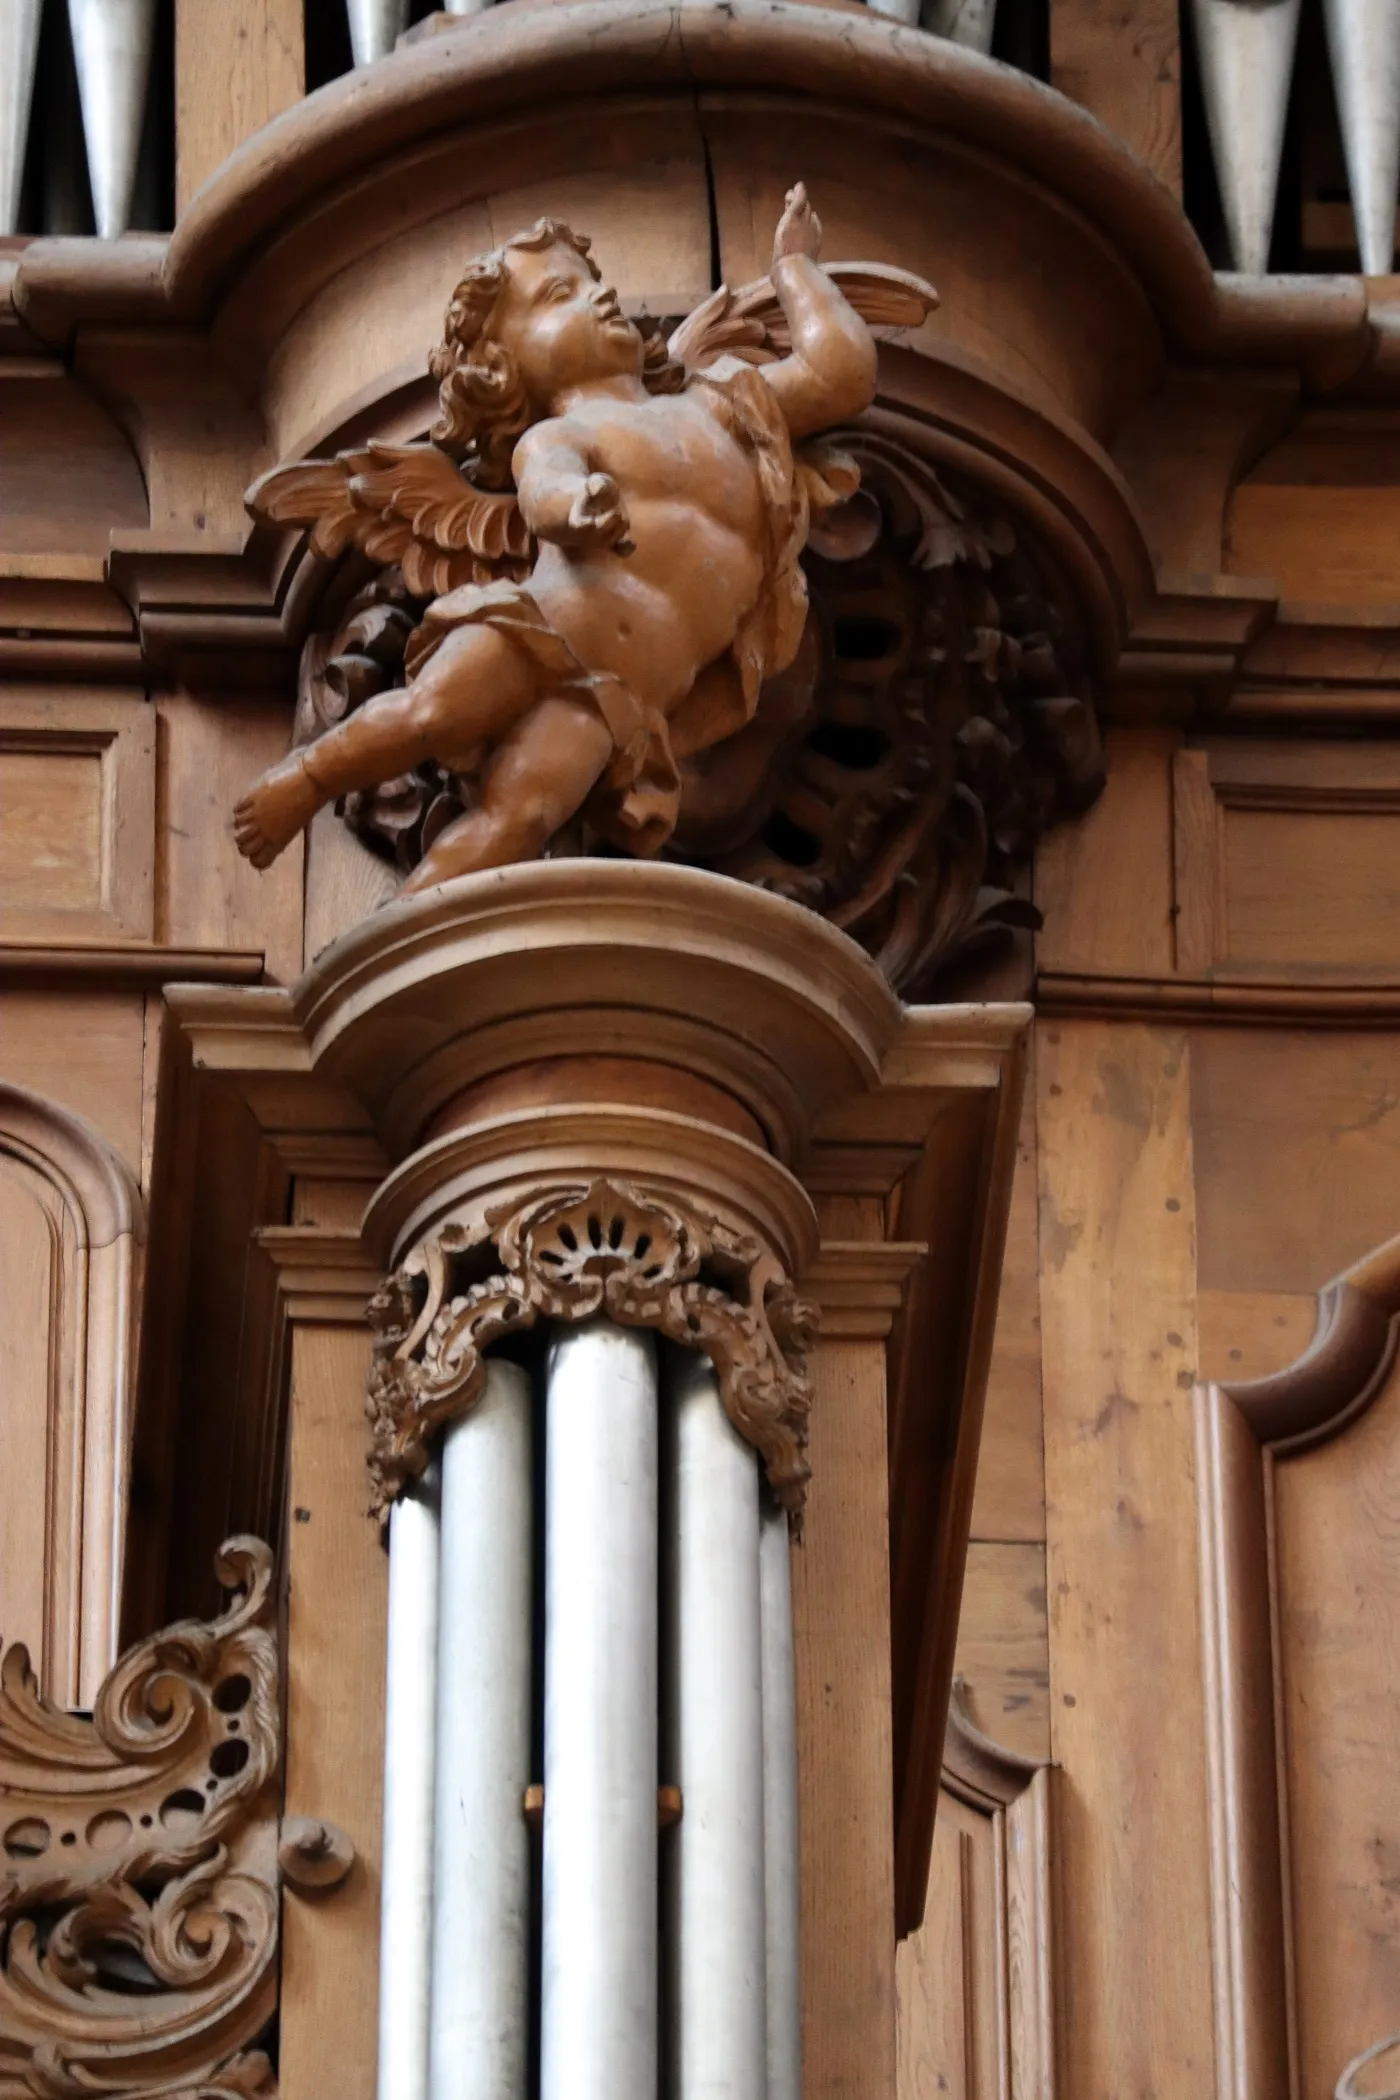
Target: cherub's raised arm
(560, 499)
(829, 374)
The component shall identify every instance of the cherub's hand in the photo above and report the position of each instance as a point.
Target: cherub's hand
(799, 229)
(597, 514)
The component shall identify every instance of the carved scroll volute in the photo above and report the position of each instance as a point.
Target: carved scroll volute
(568, 1252)
(138, 1863)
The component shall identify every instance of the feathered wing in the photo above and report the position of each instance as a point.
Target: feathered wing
(404, 504)
(750, 323)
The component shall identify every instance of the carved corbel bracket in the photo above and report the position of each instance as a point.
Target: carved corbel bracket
(566, 1253)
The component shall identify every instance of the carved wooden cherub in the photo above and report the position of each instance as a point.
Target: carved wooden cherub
(616, 558)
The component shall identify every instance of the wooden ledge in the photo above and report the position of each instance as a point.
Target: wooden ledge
(142, 966)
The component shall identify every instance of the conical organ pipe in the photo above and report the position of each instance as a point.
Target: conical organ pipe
(966, 22)
(1246, 53)
(1363, 39)
(112, 50)
(599, 1949)
(375, 26)
(19, 51)
(716, 1957)
(406, 1873)
(481, 1880)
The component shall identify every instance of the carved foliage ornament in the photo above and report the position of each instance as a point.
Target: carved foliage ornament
(138, 1864)
(568, 1253)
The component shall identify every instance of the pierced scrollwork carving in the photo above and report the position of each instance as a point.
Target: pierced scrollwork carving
(568, 1253)
(138, 1864)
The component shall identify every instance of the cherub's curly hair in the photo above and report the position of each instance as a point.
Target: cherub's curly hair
(483, 410)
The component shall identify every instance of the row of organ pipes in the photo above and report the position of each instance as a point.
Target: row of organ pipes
(590, 1584)
(1246, 51)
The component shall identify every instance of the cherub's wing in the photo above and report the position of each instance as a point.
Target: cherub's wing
(400, 503)
(749, 323)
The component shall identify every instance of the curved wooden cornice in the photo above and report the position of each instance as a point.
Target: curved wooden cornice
(979, 1770)
(527, 57)
(1339, 1372)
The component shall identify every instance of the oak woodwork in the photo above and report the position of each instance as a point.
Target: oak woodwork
(977, 1984)
(1127, 71)
(77, 848)
(236, 67)
(1295, 1480)
(140, 1899)
(1117, 1235)
(72, 1228)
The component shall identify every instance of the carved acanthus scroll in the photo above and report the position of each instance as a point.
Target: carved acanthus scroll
(567, 1253)
(138, 1864)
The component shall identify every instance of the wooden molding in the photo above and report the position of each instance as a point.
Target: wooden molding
(1244, 1434)
(78, 773)
(1207, 1000)
(76, 1210)
(859, 1285)
(141, 965)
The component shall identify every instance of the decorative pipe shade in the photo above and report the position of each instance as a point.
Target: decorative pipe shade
(1246, 52)
(112, 48)
(1363, 37)
(375, 26)
(19, 48)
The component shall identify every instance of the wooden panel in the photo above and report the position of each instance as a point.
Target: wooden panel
(1288, 860)
(1009, 1501)
(77, 788)
(1322, 546)
(1003, 1645)
(934, 1971)
(85, 1051)
(1249, 1334)
(1127, 1722)
(237, 65)
(1125, 66)
(1104, 883)
(210, 896)
(841, 1607)
(33, 1252)
(1297, 1143)
(1337, 1517)
(337, 1575)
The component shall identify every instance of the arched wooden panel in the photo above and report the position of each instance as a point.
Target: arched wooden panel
(70, 1236)
(1299, 1483)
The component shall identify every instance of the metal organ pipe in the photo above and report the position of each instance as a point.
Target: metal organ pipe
(716, 2010)
(599, 1927)
(780, 1827)
(410, 1699)
(375, 26)
(481, 1884)
(19, 52)
(112, 49)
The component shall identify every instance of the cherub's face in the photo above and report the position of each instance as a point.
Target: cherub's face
(560, 325)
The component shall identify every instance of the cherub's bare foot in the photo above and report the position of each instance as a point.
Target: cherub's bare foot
(275, 810)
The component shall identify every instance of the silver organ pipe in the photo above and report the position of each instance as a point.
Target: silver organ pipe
(599, 1927)
(19, 52)
(481, 1878)
(410, 1703)
(112, 50)
(663, 1652)
(716, 1957)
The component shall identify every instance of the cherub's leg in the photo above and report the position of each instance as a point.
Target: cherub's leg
(538, 777)
(468, 693)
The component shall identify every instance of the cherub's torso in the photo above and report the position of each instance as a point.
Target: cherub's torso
(658, 615)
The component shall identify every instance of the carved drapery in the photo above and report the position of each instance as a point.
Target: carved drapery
(138, 1885)
(567, 1253)
(896, 779)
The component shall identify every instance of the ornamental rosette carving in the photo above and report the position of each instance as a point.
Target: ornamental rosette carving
(138, 1864)
(567, 1253)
